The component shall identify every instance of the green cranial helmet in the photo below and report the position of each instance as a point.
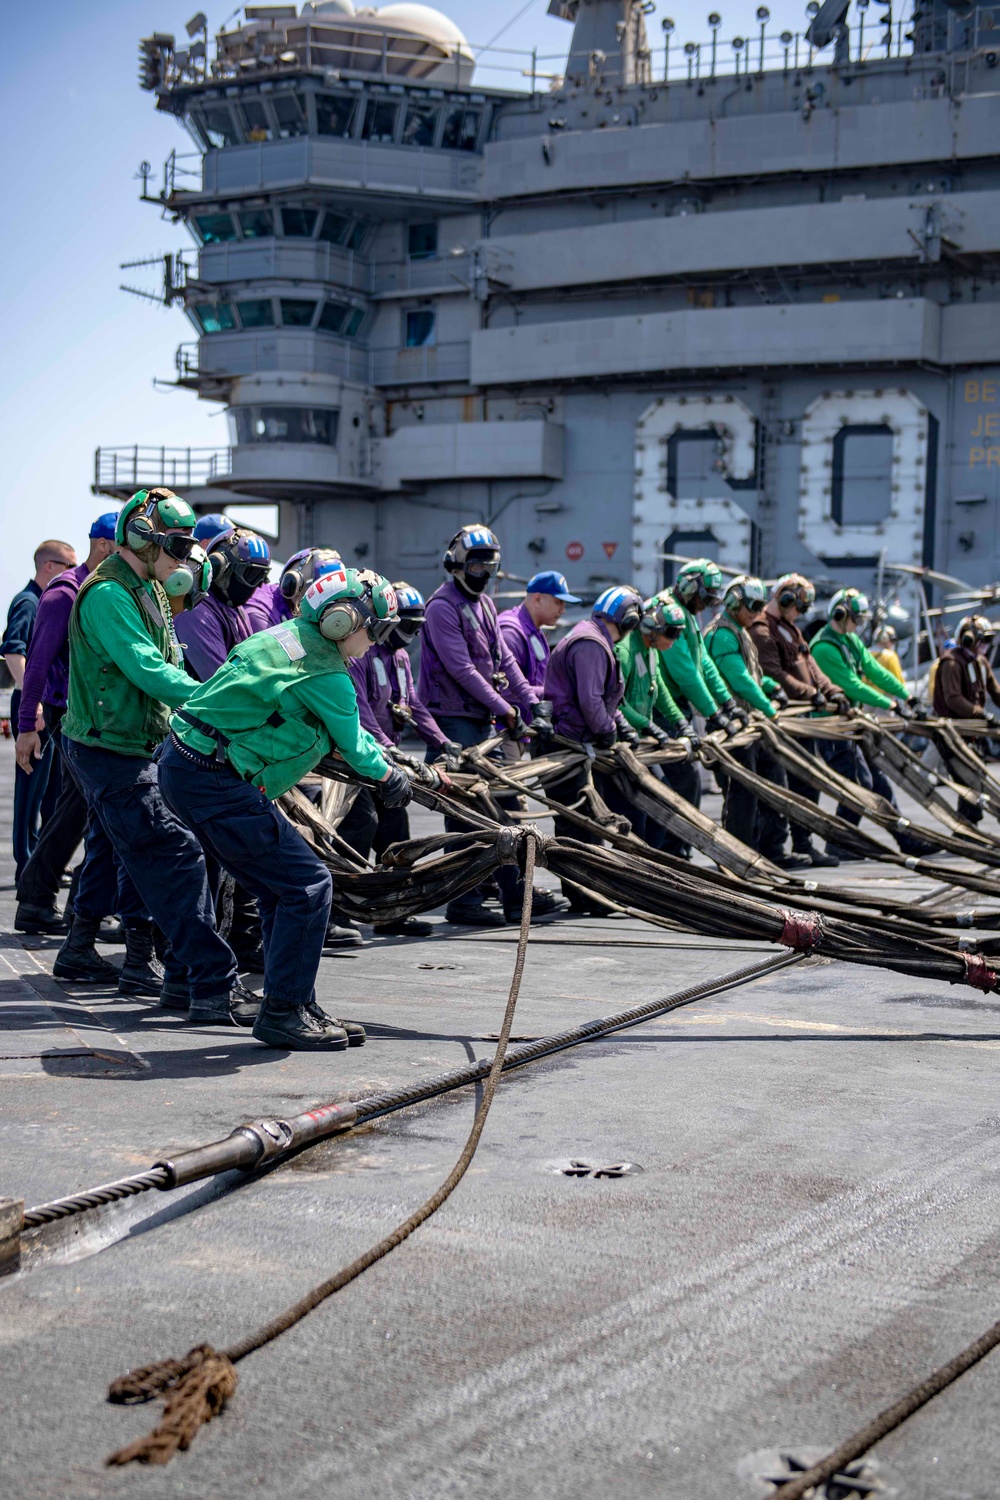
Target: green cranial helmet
(700, 579)
(849, 604)
(662, 615)
(161, 509)
(347, 599)
(745, 591)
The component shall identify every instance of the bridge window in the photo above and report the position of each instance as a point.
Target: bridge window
(420, 125)
(861, 481)
(299, 223)
(461, 127)
(214, 317)
(285, 424)
(380, 120)
(256, 313)
(296, 312)
(355, 318)
(422, 241)
(335, 114)
(335, 229)
(256, 119)
(342, 318)
(289, 111)
(218, 127)
(257, 223)
(419, 330)
(215, 229)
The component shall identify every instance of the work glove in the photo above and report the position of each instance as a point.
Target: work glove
(818, 700)
(919, 708)
(452, 755)
(404, 759)
(541, 720)
(516, 727)
(780, 698)
(903, 709)
(686, 731)
(606, 739)
(734, 710)
(629, 736)
(718, 720)
(395, 790)
(658, 733)
(841, 703)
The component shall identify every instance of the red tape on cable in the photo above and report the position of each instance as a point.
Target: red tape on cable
(801, 930)
(979, 974)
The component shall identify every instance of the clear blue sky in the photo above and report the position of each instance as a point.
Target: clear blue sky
(79, 355)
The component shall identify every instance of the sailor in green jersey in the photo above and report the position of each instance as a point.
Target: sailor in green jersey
(690, 674)
(639, 653)
(731, 647)
(124, 676)
(281, 701)
(846, 660)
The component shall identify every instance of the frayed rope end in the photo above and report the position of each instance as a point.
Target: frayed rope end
(196, 1387)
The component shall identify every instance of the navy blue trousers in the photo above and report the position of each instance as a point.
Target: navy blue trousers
(163, 859)
(29, 794)
(253, 842)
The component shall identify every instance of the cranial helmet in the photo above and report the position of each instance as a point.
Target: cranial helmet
(347, 599)
(158, 520)
(699, 579)
(410, 605)
(849, 604)
(744, 590)
(240, 561)
(973, 630)
(622, 605)
(794, 589)
(304, 567)
(473, 558)
(662, 615)
(207, 528)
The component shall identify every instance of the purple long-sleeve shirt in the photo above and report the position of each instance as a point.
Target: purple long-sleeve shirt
(584, 683)
(209, 632)
(461, 648)
(383, 677)
(266, 607)
(527, 644)
(46, 670)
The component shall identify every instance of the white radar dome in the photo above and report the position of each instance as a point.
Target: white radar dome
(423, 20)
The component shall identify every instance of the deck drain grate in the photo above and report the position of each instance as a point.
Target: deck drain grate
(577, 1167)
(863, 1479)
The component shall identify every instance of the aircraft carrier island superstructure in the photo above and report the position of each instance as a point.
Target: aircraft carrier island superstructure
(736, 297)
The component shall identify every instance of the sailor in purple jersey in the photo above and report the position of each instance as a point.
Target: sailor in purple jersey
(585, 686)
(208, 633)
(544, 604)
(388, 705)
(274, 602)
(46, 677)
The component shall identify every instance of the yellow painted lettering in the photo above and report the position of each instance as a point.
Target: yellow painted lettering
(989, 390)
(977, 431)
(993, 457)
(976, 456)
(972, 390)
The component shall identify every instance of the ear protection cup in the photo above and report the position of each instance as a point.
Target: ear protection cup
(787, 597)
(341, 621)
(138, 531)
(839, 612)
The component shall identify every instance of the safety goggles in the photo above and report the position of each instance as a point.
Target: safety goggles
(754, 605)
(483, 566)
(408, 630)
(251, 574)
(176, 544)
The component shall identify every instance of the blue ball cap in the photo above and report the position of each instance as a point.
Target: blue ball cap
(104, 526)
(554, 584)
(207, 528)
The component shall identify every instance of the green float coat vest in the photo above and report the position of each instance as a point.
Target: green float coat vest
(845, 659)
(104, 709)
(273, 740)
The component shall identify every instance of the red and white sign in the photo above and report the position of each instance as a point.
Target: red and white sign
(574, 551)
(610, 548)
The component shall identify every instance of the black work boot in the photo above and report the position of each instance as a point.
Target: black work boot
(79, 960)
(237, 1007)
(341, 937)
(464, 913)
(175, 994)
(142, 972)
(39, 919)
(356, 1033)
(297, 1028)
(410, 927)
(823, 860)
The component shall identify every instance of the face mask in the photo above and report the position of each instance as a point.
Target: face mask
(239, 591)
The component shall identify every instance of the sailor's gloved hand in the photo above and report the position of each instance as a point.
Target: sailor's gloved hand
(687, 732)
(918, 707)
(903, 709)
(516, 727)
(718, 720)
(779, 698)
(430, 776)
(734, 710)
(629, 736)
(818, 700)
(402, 714)
(452, 755)
(606, 739)
(841, 703)
(541, 720)
(395, 789)
(403, 758)
(658, 733)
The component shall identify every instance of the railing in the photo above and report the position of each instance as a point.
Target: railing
(412, 366)
(177, 468)
(186, 362)
(303, 260)
(448, 272)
